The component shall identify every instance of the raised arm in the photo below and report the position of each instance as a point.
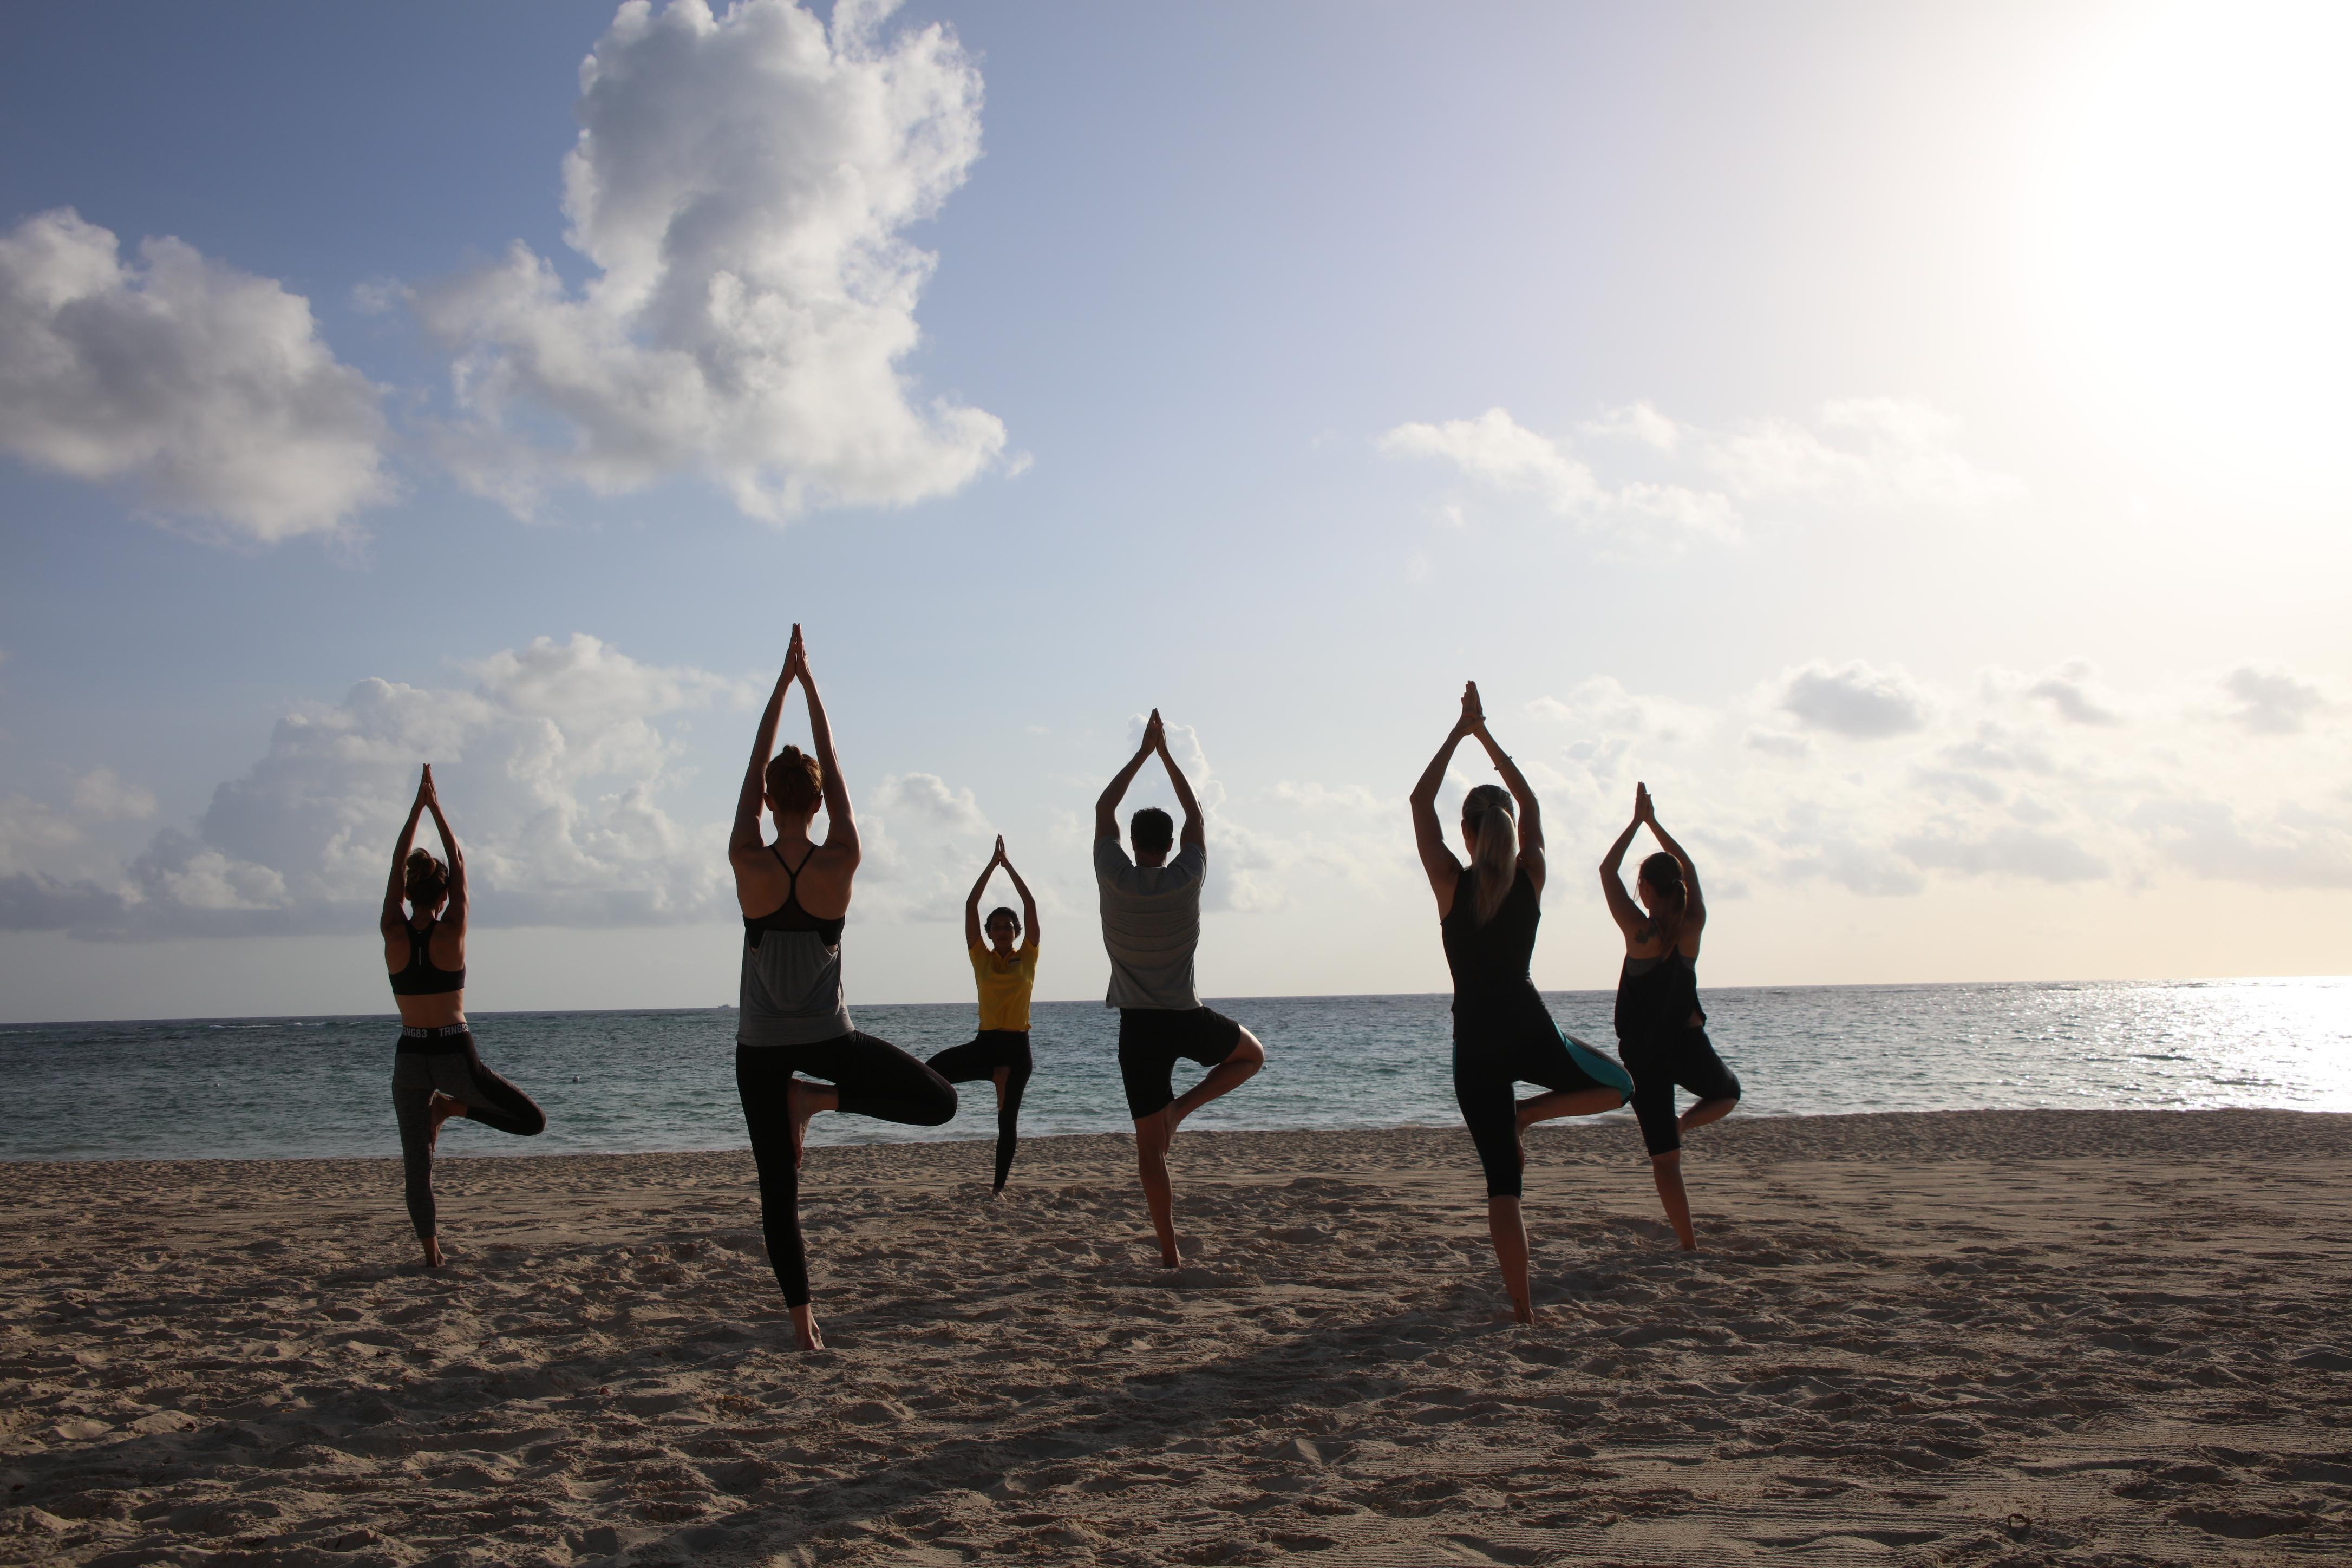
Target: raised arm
(1531, 837)
(745, 837)
(1621, 907)
(973, 935)
(396, 891)
(1107, 804)
(1694, 908)
(453, 918)
(840, 826)
(1028, 901)
(1194, 830)
(1428, 833)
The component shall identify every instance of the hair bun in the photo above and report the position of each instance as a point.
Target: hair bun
(424, 879)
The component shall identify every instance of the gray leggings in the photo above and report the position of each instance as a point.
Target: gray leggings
(451, 1066)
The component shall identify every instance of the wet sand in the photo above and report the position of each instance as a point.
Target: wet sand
(2089, 1337)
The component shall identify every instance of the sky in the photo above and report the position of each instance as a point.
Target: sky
(1909, 438)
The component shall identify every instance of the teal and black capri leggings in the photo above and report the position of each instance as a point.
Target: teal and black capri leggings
(1488, 1070)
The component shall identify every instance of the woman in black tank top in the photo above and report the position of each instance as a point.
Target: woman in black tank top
(1661, 1029)
(436, 1073)
(796, 1053)
(1503, 1033)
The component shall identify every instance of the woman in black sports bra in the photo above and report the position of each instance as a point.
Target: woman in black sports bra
(435, 1071)
(791, 1019)
(1661, 1029)
(1503, 1033)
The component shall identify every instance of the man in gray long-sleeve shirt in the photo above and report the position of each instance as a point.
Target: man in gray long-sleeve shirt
(1151, 924)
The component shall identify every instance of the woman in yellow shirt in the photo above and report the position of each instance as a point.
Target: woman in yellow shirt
(1000, 1052)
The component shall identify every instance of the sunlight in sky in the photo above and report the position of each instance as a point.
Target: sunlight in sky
(2193, 236)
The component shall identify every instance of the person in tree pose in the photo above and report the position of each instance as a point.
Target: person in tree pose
(1661, 1029)
(1503, 1033)
(1004, 974)
(1151, 924)
(791, 1017)
(436, 1073)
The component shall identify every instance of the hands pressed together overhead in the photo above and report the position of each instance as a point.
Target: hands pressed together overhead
(1473, 713)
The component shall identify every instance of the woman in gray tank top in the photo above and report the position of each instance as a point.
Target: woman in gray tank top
(792, 1019)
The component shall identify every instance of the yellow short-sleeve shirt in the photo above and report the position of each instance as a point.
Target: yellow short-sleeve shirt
(1005, 987)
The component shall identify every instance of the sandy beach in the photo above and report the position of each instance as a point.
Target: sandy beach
(2097, 1338)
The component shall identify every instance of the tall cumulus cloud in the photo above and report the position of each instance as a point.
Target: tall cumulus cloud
(743, 184)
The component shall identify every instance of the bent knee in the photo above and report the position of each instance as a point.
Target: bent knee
(1246, 1052)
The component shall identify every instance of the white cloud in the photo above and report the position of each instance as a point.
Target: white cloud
(921, 841)
(1331, 800)
(1875, 453)
(1863, 451)
(32, 833)
(1994, 782)
(2018, 851)
(1496, 449)
(554, 766)
(1601, 705)
(742, 183)
(1635, 422)
(204, 388)
(179, 873)
(102, 797)
(2071, 691)
(1991, 781)
(2295, 847)
(931, 797)
(1779, 743)
(2271, 701)
(1854, 699)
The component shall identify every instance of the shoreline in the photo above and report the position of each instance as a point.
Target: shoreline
(1589, 1140)
(1603, 989)
(1952, 1337)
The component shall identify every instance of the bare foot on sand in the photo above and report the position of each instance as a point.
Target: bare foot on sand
(812, 1338)
(432, 1258)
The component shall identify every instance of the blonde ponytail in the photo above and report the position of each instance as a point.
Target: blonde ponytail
(1495, 854)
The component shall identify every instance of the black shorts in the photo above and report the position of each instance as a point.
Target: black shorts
(1151, 1038)
(1684, 1057)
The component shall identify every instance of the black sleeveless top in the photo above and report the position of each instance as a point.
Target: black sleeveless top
(1492, 987)
(420, 978)
(789, 915)
(1659, 1001)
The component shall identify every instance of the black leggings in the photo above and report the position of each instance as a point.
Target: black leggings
(450, 1064)
(1684, 1056)
(874, 1078)
(977, 1059)
(1488, 1066)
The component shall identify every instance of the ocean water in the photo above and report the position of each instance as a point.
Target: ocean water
(263, 1087)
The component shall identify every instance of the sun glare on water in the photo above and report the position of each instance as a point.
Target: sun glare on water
(2189, 241)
